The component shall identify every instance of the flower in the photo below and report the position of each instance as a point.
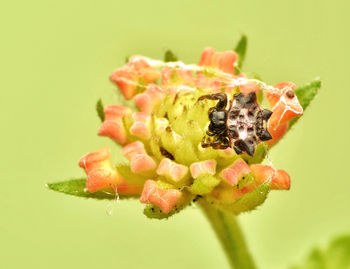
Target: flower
(113, 126)
(102, 176)
(285, 106)
(222, 60)
(136, 72)
(169, 166)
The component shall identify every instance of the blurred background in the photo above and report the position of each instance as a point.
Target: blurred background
(55, 59)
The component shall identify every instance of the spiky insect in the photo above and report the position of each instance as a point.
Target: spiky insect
(241, 125)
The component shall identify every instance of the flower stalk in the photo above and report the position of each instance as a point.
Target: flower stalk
(228, 231)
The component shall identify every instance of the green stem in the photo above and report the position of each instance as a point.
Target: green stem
(228, 231)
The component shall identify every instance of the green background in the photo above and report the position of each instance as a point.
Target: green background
(56, 57)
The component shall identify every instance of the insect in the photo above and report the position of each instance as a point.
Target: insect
(241, 125)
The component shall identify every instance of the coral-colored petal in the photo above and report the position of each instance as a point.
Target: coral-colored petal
(280, 180)
(202, 168)
(144, 102)
(249, 87)
(208, 83)
(150, 75)
(132, 149)
(140, 127)
(206, 57)
(141, 130)
(284, 103)
(99, 170)
(94, 160)
(113, 112)
(143, 69)
(285, 110)
(126, 79)
(141, 116)
(274, 94)
(175, 76)
(222, 60)
(113, 126)
(227, 61)
(174, 171)
(165, 199)
(263, 173)
(130, 189)
(114, 130)
(138, 63)
(147, 100)
(142, 163)
(166, 75)
(101, 179)
(234, 172)
(276, 133)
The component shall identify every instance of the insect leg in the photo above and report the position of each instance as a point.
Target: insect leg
(219, 143)
(221, 97)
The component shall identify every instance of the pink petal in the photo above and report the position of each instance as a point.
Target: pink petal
(150, 98)
(126, 79)
(235, 171)
(201, 168)
(172, 170)
(142, 163)
(140, 127)
(114, 130)
(165, 199)
(132, 149)
(94, 160)
(113, 126)
(101, 179)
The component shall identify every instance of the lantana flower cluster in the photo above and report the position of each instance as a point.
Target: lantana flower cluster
(168, 167)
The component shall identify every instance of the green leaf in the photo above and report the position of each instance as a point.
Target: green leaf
(335, 256)
(76, 187)
(241, 49)
(169, 56)
(100, 111)
(305, 95)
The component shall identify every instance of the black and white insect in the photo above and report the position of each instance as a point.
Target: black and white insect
(241, 125)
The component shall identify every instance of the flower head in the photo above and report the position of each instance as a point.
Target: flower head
(182, 142)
